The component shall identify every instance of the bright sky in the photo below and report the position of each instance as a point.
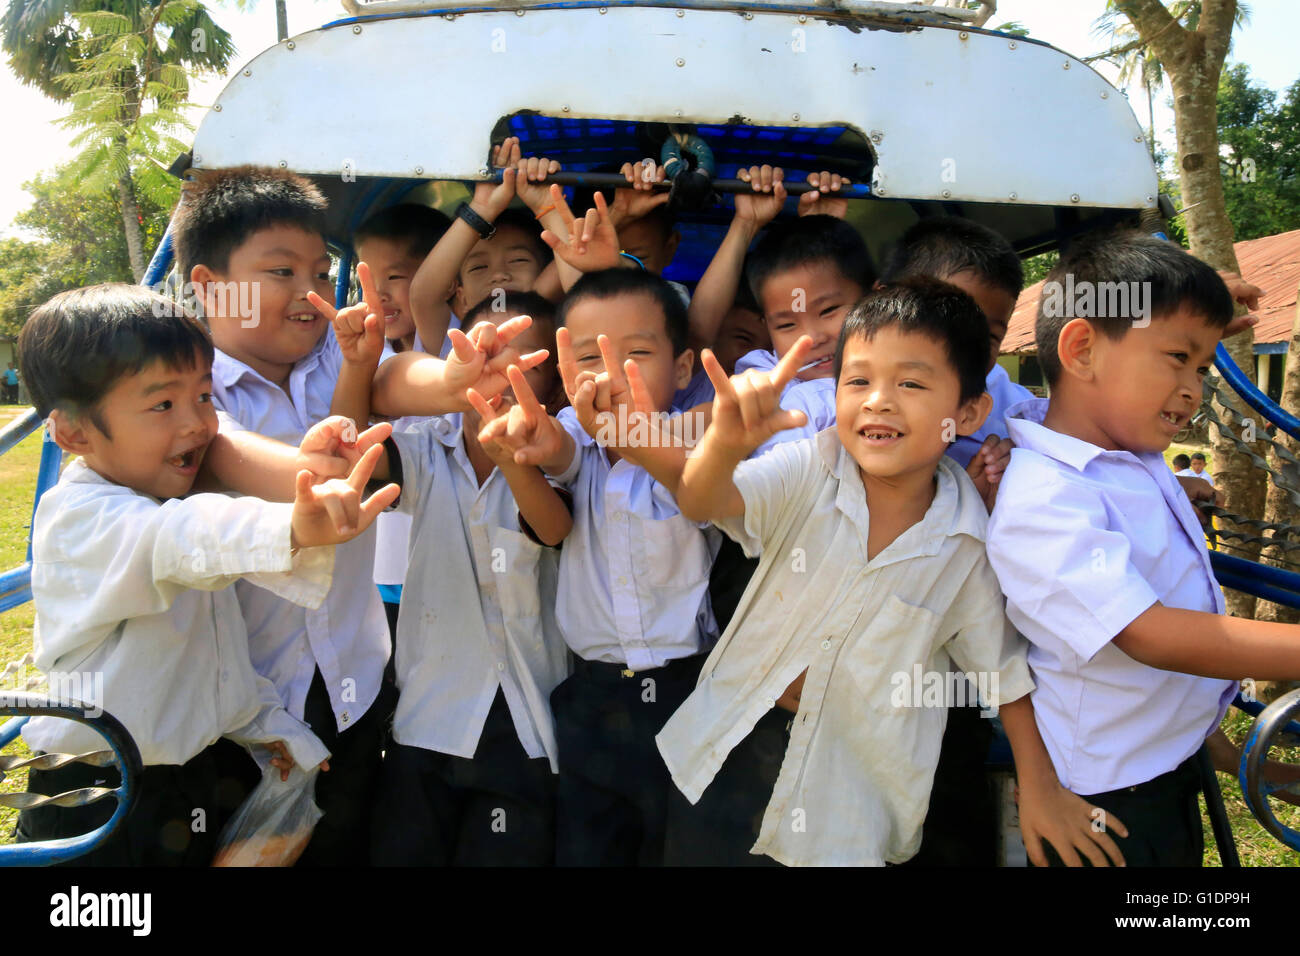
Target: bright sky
(1266, 44)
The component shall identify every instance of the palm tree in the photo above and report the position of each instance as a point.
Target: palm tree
(124, 67)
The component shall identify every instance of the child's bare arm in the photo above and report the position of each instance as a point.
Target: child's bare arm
(1212, 645)
(359, 332)
(716, 291)
(251, 464)
(1047, 810)
(412, 384)
(746, 412)
(434, 280)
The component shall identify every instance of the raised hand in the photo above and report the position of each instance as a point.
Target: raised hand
(491, 198)
(358, 328)
(747, 407)
(632, 204)
(530, 182)
(761, 206)
(331, 448)
(592, 242)
(479, 360)
(523, 433)
(819, 201)
(333, 511)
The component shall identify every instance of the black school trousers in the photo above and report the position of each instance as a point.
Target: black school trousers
(720, 829)
(613, 789)
(1162, 817)
(961, 825)
(177, 815)
(494, 809)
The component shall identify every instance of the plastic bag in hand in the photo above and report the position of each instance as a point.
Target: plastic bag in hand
(274, 825)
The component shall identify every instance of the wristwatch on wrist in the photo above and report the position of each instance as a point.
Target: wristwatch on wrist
(476, 222)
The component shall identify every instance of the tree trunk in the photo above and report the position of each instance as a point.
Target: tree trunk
(1193, 62)
(131, 225)
(1278, 506)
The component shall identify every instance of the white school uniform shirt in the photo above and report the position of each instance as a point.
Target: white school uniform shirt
(392, 528)
(855, 782)
(1005, 393)
(136, 593)
(1188, 473)
(634, 573)
(478, 605)
(814, 397)
(347, 636)
(1083, 541)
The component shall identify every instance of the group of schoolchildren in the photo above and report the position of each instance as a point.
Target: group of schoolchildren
(527, 619)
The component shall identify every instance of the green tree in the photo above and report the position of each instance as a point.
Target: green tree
(78, 240)
(124, 67)
(1260, 144)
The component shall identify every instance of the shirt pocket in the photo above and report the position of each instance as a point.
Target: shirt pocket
(670, 553)
(887, 652)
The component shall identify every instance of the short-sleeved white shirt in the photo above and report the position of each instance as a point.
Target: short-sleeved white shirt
(873, 635)
(634, 572)
(478, 605)
(1083, 541)
(347, 636)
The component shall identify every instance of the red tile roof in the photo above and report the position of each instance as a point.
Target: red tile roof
(1272, 263)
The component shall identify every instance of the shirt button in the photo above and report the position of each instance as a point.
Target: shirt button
(344, 717)
(500, 666)
(770, 703)
(826, 645)
(622, 580)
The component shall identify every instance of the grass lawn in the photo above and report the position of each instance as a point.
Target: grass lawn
(18, 484)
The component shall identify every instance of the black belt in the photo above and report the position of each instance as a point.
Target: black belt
(602, 670)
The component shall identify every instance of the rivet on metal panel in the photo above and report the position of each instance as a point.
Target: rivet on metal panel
(795, 117)
(876, 137)
(419, 170)
(483, 170)
(1011, 45)
(283, 164)
(1151, 199)
(879, 190)
(356, 30)
(1104, 95)
(681, 13)
(1074, 197)
(290, 44)
(802, 18)
(198, 159)
(564, 109)
(217, 108)
(747, 15)
(677, 112)
(947, 194)
(604, 10)
(680, 61)
(1138, 138)
(248, 73)
(1013, 196)
(1065, 65)
(519, 13)
(963, 35)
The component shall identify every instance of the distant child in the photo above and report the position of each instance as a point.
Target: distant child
(131, 575)
(872, 576)
(470, 776)
(632, 595)
(1182, 466)
(982, 264)
(1196, 468)
(1102, 560)
(251, 236)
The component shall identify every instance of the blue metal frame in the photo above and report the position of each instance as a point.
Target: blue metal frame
(16, 583)
(50, 852)
(1253, 397)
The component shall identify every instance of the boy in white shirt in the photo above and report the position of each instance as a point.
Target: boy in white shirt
(872, 581)
(469, 777)
(632, 593)
(251, 241)
(1100, 553)
(131, 577)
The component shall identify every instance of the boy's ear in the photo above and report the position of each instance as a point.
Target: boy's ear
(1075, 347)
(973, 414)
(684, 368)
(670, 246)
(201, 279)
(68, 433)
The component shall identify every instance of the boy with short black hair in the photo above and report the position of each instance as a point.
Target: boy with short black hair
(1102, 559)
(871, 568)
(632, 598)
(394, 242)
(253, 236)
(131, 573)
